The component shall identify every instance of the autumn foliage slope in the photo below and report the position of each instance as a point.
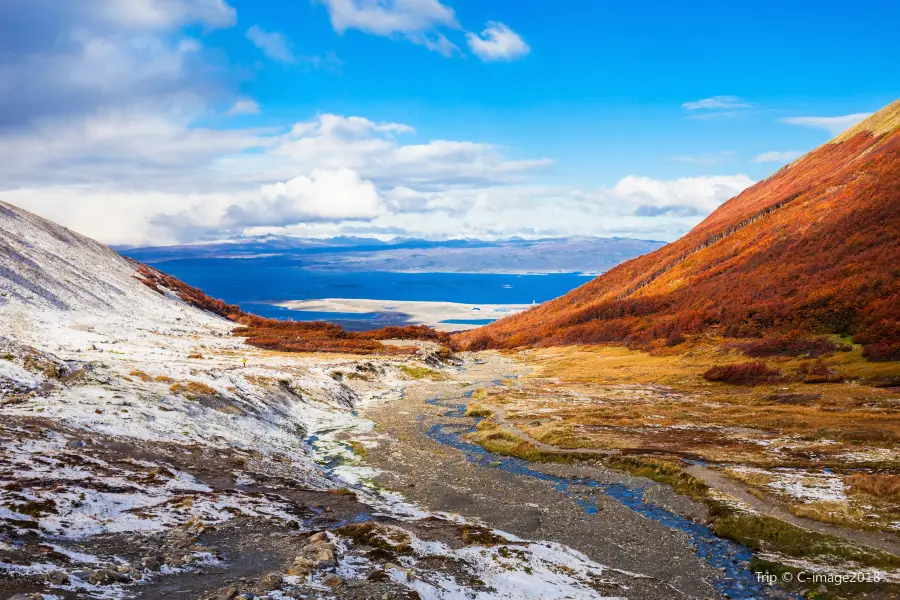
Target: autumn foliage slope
(814, 248)
(290, 336)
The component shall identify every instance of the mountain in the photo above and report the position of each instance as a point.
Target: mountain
(513, 255)
(46, 266)
(815, 247)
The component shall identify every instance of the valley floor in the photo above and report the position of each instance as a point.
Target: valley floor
(143, 461)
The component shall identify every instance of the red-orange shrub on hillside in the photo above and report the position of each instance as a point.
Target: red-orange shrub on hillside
(814, 248)
(794, 343)
(749, 373)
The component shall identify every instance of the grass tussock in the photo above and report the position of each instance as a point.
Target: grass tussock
(140, 375)
(416, 372)
(473, 409)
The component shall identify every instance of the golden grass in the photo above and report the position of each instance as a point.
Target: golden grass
(876, 485)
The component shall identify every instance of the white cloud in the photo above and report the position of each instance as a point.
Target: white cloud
(67, 59)
(777, 157)
(497, 42)
(245, 106)
(417, 21)
(277, 47)
(716, 103)
(274, 45)
(833, 125)
(687, 196)
(388, 17)
(166, 14)
(326, 195)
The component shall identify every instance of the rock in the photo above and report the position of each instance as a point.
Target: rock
(107, 576)
(318, 537)
(325, 559)
(227, 594)
(76, 444)
(270, 581)
(26, 597)
(58, 578)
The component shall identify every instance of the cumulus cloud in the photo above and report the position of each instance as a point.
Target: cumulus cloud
(777, 157)
(325, 195)
(687, 196)
(716, 103)
(133, 133)
(833, 125)
(497, 42)
(61, 59)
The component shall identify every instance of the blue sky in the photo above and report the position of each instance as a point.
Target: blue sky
(163, 121)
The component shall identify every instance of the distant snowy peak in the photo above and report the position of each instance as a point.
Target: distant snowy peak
(44, 266)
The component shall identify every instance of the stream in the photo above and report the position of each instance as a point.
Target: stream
(729, 558)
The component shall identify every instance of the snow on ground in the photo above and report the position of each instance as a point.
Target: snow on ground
(96, 368)
(801, 484)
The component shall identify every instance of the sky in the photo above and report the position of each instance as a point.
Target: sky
(153, 122)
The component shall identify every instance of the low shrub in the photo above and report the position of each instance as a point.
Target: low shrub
(790, 344)
(818, 372)
(748, 373)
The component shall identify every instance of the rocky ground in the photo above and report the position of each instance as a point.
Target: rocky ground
(140, 460)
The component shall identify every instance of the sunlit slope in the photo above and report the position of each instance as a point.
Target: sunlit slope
(816, 247)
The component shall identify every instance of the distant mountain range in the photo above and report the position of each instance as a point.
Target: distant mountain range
(514, 255)
(815, 247)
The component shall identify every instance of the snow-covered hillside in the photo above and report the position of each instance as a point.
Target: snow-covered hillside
(139, 458)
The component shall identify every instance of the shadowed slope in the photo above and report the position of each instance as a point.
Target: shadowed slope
(814, 247)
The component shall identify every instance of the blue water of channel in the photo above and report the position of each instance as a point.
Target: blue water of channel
(730, 559)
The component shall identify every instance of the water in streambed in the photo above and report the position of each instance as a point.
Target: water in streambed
(731, 559)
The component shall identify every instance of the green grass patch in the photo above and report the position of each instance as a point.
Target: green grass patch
(768, 534)
(414, 372)
(661, 472)
(358, 449)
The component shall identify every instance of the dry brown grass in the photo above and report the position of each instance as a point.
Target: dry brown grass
(612, 397)
(877, 485)
(192, 389)
(141, 375)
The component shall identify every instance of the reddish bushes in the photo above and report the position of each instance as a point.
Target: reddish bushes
(292, 336)
(813, 248)
(790, 344)
(749, 373)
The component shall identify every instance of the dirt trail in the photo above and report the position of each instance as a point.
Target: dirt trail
(873, 539)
